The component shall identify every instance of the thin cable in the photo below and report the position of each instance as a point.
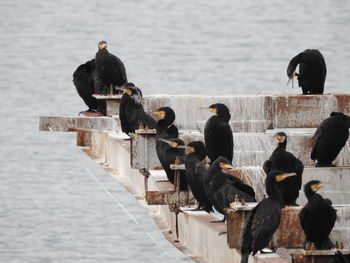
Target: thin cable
(126, 211)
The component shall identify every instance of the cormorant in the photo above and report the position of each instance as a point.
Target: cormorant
(165, 127)
(131, 112)
(317, 217)
(285, 161)
(195, 171)
(263, 220)
(312, 71)
(329, 138)
(83, 80)
(173, 148)
(218, 134)
(222, 188)
(110, 70)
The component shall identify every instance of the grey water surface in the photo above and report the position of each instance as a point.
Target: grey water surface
(51, 209)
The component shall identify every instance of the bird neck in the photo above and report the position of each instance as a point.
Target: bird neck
(309, 193)
(282, 145)
(169, 119)
(272, 191)
(225, 115)
(197, 155)
(161, 125)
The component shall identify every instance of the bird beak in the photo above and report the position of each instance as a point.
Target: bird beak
(316, 187)
(158, 115)
(213, 110)
(189, 149)
(280, 139)
(282, 177)
(170, 143)
(119, 88)
(127, 91)
(225, 166)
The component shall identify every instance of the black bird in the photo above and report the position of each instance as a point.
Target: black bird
(341, 258)
(317, 217)
(131, 112)
(312, 71)
(222, 188)
(173, 148)
(110, 70)
(286, 161)
(83, 80)
(329, 138)
(125, 99)
(263, 220)
(165, 127)
(195, 171)
(218, 134)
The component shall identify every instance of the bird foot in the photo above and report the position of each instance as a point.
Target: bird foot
(195, 209)
(219, 221)
(262, 251)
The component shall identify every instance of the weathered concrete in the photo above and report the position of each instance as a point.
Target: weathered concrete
(279, 111)
(112, 103)
(250, 149)
(73, 123)
(253, 118)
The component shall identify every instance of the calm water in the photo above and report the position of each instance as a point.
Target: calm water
(51, 210)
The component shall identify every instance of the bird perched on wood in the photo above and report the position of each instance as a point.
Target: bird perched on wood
(173, 149)
(285, 161)
(83, 80)
(329, 138)
(222, 188)
(195, 172)
(317, 218)
(263, 220)
(131, 112)
(218, 133)
(312, 71)
(109, 72)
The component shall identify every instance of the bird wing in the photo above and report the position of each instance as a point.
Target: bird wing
(247, 237)
(266, 220)
(121, 67)
(332, 215)
(219, 141)
(122, 115)
(299, 168)
(267, 166)
(245, 188)
(303, 217)
(321, 130)
(172, 131)
(200, 171)
(84, 82)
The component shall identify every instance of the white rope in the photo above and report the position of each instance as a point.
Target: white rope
(127, 212)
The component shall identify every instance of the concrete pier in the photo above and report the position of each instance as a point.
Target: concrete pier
(255, 119)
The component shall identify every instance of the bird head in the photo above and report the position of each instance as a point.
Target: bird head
(221, 110)
(196, 147)
(314, 185)
(102, 44)
(166, 113)
(280, 137)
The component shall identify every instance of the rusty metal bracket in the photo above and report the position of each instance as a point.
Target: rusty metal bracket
(317, 256)
(289, 233)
